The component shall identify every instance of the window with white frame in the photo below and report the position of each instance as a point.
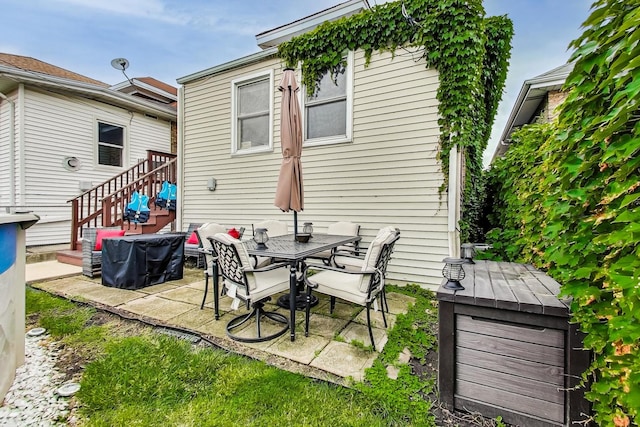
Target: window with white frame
(110, 144)
(252, 101)
(327, 114)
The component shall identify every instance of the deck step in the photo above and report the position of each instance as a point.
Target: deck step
(68, 256)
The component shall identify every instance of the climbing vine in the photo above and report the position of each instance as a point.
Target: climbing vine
(568, 200)
(469, 51)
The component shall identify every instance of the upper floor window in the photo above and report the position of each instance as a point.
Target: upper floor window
(110, 144)
(327, 114)
(252, 101)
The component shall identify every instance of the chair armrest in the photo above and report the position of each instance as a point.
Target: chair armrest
(268, 267)
(353, 254)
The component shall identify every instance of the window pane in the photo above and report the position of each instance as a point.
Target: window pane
(327, 120)
(254, 132)
(111, 134)
(328, 88)
(253, 97)
(111, 156)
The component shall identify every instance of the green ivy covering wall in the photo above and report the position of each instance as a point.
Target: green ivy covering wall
(469, 51)
(567, 199)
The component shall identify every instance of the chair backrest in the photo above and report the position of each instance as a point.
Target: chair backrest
(345, 228)
(274, 228)
(203, 233)
(233, 260)
(377, 258)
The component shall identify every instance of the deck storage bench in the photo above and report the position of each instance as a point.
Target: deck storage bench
(507, 348)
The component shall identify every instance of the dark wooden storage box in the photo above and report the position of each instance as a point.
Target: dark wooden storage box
(507, 349)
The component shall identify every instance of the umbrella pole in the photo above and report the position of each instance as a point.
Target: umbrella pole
(295, 224)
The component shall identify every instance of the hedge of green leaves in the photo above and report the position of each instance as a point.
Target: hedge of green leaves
(469, 51)
(567, 199)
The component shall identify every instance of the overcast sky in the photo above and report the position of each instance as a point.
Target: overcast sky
(168, 39)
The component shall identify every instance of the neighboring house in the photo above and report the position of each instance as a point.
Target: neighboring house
(537, 102)
(369, 156)
(61, 133)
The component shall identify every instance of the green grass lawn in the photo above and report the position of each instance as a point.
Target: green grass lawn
(135, 377)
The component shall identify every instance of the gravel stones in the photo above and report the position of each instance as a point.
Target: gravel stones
(32, 400)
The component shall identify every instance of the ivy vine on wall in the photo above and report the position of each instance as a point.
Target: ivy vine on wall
(568, 200)
(469, 51)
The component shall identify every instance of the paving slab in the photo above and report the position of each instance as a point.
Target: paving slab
(324, 325)
(157, 308)
(49, 269)
(399, 303)
(357, 332)
(376, 319)
(193, 319)
(342, 310)
(302, 350)
(108, 296)
(344, 360)
(183, 294)
(156, 289)
(67, 286)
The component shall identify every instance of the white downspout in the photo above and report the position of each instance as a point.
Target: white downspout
(180, 153)
(454, 202)
(12, 150)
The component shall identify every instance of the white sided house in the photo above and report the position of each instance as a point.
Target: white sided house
(61, 133)
(369, 153)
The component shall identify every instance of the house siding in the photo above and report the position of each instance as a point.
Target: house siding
(57, 126)
(388, 174)
(5, 149)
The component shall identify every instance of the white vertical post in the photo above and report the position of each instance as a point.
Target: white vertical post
(453, 202)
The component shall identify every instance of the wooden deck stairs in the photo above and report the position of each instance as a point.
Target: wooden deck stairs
(104, 204)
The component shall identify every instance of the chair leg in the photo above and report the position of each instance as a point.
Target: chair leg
(258, 312)
(332, 305)
(216, 293)
(384, 300)
(373, 344)
(206, 289)
(384, 318)
(307, 312)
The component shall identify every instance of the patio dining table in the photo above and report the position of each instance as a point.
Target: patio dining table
(286, 248)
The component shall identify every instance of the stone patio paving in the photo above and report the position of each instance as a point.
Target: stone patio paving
(327, 353)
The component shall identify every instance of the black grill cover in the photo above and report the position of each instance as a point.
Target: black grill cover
(133, 262)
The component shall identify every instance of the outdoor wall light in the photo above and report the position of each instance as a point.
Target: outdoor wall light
(454, 273)
(468, 252)
(307, 228)
(261, 238)
(211, 184)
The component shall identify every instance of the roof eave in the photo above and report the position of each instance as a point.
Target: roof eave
(99, 92)
(236, 63)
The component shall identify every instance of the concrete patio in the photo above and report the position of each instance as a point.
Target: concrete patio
(327, 353)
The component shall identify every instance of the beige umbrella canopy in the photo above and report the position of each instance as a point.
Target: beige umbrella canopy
(289, 193)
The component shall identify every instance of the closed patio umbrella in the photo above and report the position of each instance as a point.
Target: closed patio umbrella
(289, 192)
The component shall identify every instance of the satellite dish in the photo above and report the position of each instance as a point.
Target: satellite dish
(120, 64)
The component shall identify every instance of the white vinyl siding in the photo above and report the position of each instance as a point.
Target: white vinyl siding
(5, 110)
(388, 175)
(58, 126)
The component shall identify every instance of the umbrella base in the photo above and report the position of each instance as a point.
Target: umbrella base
(301, 302)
